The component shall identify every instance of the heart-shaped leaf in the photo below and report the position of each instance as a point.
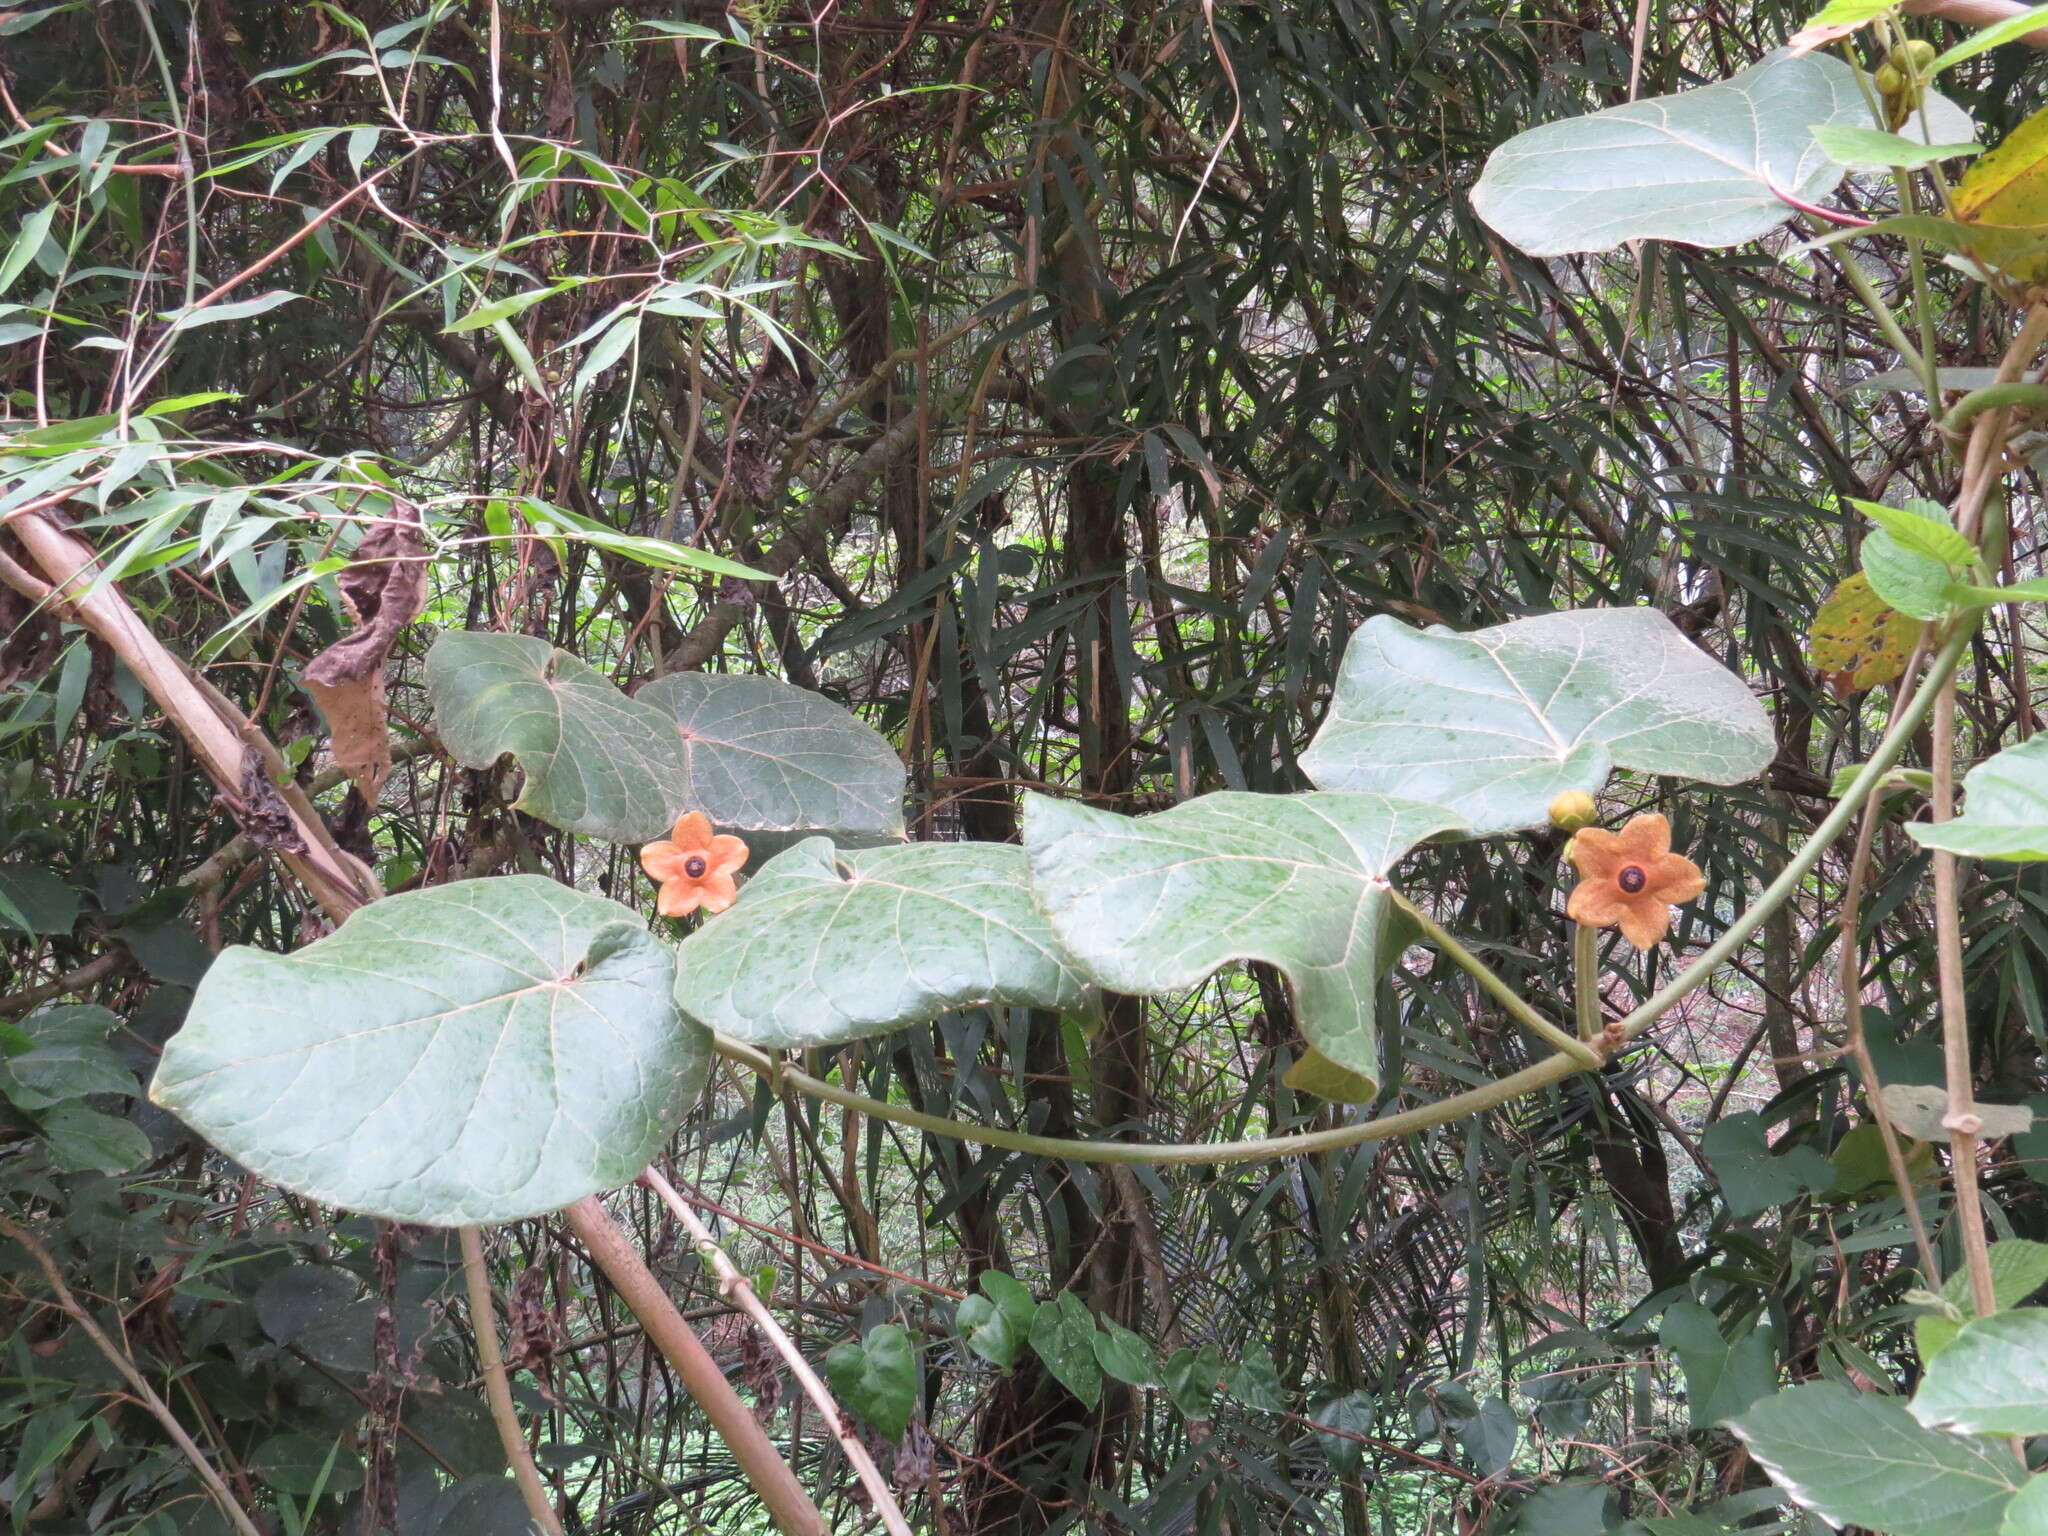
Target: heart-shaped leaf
(761, 755)
(477, 1052)
(877, 1377)
(1063, 1334)
(829, 946)
(1155, 903)
(596, 762)
(1495, 724)
(751, 753)
(1704, 167)
(985, 1328)
(1860, 1459)
(2005, 808)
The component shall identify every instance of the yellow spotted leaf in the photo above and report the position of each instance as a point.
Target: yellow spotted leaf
(1858, 642)
(2009, 186)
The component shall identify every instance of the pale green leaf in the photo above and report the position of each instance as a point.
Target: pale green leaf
(1857, 1458)
(1155, 903)
(1992, 1379)
(1702, 167)
(596, 762)
(1497, 723)
(758, 754)
(2005, 808)
(826, 946)
(2027, 1514)
(1903, 572)
(1125, 1356)
(2008, 30)
(240, 309)
(476, 1052)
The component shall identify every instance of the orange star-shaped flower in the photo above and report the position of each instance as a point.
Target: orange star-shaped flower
(693, 868)
(1631, 878)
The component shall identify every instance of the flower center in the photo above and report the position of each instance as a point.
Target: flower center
(1631, 879)
(694, 866)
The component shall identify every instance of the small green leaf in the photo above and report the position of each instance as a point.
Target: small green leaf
(1992, 1379)
(1905, 579)
(1255, 1380)
(1497, 723)
(1349, 1414)
(876, 1377)
(1857, 1458)
(1753, 1178)
(1152, 904)
(469, 1053)
(300, 1465)
(1192, 1376)
(83, 1140)
(34, 900)
(2005, 808)
(1870, 149)
(825, 947)
(1721, 1379)
(985, 1328)
(1124, 1356)
(1014, 1297)
(1923, 528)
(1063, 1334)
(67, 1058)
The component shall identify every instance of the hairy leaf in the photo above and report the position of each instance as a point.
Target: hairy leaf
(1155, 903)
(825, 947)
(1495, 724)
(1704, 167)
(470, 1053)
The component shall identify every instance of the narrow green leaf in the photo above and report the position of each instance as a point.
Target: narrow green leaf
(2006, 31)
(1863, 149)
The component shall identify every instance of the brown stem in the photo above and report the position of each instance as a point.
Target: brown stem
(611, 1251)
(483, 1322)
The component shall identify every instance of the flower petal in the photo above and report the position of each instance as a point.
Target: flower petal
(662, 861)
(1675, 879)
(718, 891)
(693, 830)
(727, 854)
(1645, 922)
(1596, 903)
(1596, 853)
(679, 898)
(1646, 838)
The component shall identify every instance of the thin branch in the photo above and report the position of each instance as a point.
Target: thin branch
(483, 1323)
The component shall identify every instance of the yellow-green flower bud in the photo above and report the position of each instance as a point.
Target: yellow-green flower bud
(1572, 810)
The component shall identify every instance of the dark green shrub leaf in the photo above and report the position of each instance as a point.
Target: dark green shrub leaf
(1857, 1458)
(2019, 1267)
(1566, 1509)
(1753, 1178)
(1192, 1376)
(1721, 1379)
(67, 1058)
(1497, 723)
(83, 1140)
(299, 1464)
(475, 1052)
(1155, 903)
(985, 1328)
(1349, 1413)
(32, 900)
(1255, 1380)
(1124, 1356)
(826, 946)
(876, 1377)
(1063, 1334)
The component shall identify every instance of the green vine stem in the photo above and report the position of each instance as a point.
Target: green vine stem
(1517, 1006)
(1586, 978)
(1543, 1074)
(2020, 395)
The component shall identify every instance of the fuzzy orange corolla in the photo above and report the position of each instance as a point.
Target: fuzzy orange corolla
(1631, 878)
(694, 868)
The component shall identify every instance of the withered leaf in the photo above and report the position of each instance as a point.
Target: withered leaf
(385, 586)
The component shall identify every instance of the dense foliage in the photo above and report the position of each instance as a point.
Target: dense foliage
(1027, 472)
